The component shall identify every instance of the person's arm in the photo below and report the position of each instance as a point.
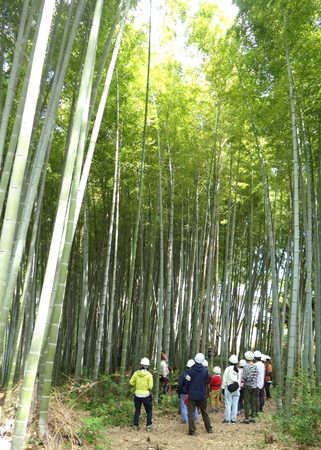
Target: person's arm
(245, 373)
(188, 380)
(150, 382)
(180, 384)
(132, 381)
(224, 379)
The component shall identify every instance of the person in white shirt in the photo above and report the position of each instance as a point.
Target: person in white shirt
(260, 381)
(163, 373)
(231, 386)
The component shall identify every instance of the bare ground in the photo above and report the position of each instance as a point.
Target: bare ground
(169, 434)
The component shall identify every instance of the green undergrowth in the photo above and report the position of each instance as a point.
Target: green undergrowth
(110, 404)
(304, 422)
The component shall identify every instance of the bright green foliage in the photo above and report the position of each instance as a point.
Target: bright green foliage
(94, 432)
(304, 423)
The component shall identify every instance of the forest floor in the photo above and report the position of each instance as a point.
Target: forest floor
(168, 433)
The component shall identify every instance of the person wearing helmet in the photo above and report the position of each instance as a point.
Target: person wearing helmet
(196, 381)
(231, 385)
(164, 373)
(215, 385)
(242, 363)
(142, 381)
(250, 374)
(268, 376)
(260, 381)
(182, 392)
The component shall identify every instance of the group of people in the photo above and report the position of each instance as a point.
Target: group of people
(243, 384)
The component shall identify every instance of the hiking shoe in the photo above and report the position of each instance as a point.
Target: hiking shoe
(149, 428)
(184, 421)
(210, 430)
(233, 422)
(226, 421)
(135, 428)
(246, 421)
(191, 433)
(212, 410)
(253, 420)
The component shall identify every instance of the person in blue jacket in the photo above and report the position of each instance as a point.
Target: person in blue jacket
(196, 382)
(182, 392)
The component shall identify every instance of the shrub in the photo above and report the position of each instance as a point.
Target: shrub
(304, 423)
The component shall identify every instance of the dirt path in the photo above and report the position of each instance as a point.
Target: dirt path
(169, 434)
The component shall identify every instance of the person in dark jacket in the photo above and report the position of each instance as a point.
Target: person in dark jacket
(182, 392)
(196, 382)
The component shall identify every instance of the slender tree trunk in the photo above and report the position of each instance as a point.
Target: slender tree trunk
(83, 302)
(296, 255)
(168, 302)
(135, 237)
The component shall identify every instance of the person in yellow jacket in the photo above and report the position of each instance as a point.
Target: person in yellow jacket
(142, 381)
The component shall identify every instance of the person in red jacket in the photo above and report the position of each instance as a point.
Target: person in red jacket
(215, 385)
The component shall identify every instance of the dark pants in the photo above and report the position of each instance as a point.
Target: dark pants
(147, 402)
(241, 400)
(259, 399)
(164, 384)
(249, 402)
(267, 390)
(191, 410)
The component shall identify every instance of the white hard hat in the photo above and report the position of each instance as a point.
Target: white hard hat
(249, 356)
(205, 363)
(267, 357)
(263, 357)
(257, 354)
(217, 369)
(145, 362)
(190, 363)
(199, 358)
(233, 359)
(242, 363)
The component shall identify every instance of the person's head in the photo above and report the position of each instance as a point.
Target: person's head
(199, 358)
(263, 358)
(257, 355)
(233, 359)
(217, 370)
(205, 363)
(249, 356)
(268, 358)
(190, 363)
(144, 363)
(163, 355)
(242, 363)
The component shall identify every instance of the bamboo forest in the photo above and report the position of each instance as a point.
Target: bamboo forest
(160, 190)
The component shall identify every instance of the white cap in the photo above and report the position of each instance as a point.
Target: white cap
(145, 362)
(267, 357)
(242, 363)
(205, 363)
(257, 354)
(263, 357)
(217, 369)
(233, 359)
(249, 356)
(199, 358)
(190, 363)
